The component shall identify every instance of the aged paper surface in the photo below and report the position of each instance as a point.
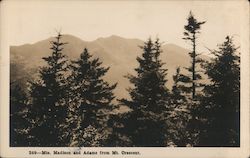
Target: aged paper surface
(26, 26)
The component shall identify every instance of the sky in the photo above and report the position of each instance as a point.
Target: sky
(29, 21)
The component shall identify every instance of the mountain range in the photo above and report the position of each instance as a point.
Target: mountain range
(115, 52)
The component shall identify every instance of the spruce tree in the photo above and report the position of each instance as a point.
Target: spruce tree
(221, 104)
(191, 83)
(19, 124)
(178, 97)
(49, 94)
(145, 124)
(178, 135)
(120, 135)
(94, 98)
(192, 29)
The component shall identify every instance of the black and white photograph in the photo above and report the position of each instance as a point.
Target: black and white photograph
(128, 74)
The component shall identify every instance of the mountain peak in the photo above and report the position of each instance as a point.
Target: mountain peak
(112, 37)
(117, 52)
(68, 37)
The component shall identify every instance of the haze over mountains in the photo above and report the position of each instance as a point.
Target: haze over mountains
(115, 52)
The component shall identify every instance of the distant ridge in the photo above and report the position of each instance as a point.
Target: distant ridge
(116, 52)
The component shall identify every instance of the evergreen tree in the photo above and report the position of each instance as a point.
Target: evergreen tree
(145, 124)
(119, 136)
(177, 121)
(49, 98)
(221, 104)
(192, 29)
(93, 96)
(177, 94)
(19, 124)
(191, 82)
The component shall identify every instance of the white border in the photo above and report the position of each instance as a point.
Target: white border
(242, 152)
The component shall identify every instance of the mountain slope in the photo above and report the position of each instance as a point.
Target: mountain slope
(116, 52)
